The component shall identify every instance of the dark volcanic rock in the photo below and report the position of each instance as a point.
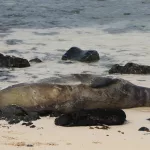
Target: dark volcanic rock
(27, 123)
(126, 14)
(12, 61)
(32, 126)
(144, 129)
(35, 60)
(92, 117)
(130, 68)
(14, 114)
(75, 53)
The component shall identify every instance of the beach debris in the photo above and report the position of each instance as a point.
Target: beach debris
(121, 132)
(96, 142)
(29, 145)
(91, 127)
(22, 144)
(144, 129)
(97, 127)
(105, 127)
(27, 123)
(18, 144)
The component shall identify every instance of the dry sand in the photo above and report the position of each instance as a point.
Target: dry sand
(46, 135)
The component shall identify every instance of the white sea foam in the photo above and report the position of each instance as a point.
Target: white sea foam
(50, 44)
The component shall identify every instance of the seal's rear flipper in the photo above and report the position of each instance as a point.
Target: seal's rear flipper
(102, 82)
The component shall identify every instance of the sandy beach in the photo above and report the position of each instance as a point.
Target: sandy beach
(48, 136)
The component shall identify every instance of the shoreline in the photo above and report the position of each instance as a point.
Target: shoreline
(46, 135)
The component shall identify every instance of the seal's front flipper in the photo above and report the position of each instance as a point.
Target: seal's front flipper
(102, 82)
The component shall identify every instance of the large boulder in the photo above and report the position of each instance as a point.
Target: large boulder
(130, 68)
(75, 53)
(12, 61)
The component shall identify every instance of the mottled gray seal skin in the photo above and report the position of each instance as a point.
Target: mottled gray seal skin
(98, 92)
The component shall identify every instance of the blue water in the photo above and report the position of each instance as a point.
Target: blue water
(132, 14)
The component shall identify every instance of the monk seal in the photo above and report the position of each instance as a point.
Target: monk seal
(75, 53)
(92, 117)
(100, 92)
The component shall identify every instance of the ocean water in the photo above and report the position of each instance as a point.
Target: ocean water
(118, 29)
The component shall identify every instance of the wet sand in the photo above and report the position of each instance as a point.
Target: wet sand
(48, 136)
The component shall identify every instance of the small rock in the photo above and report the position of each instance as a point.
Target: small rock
(105, 127)
(126, 14)
(35, 60)
(144, 129)
(27, 123)
(97, 127)
(32, 126)
(14, 121)
(29, 145)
